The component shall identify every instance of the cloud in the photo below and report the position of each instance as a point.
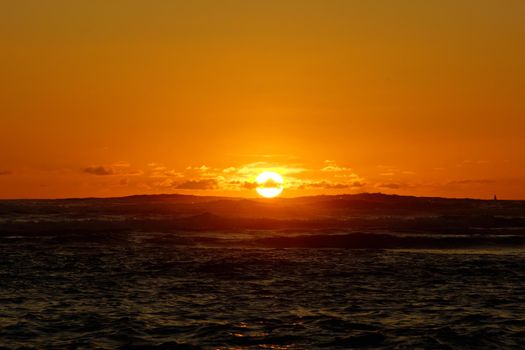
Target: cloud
(161, 172)
(392, 186)
(115, 169)
(164, 183)
(205, 184)
(201, 172)
(389, 170)
(238, 177)
(6, 172)
(327, 185)
(198, 168)
(270, 183)
(334, 168)
(400, 185)
(99, 170)
(248, 185)
(229, 170)
(254, 169)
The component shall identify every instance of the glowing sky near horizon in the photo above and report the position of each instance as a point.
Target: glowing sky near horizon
(109, 98)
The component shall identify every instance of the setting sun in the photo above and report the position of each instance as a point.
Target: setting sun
(269, 184)
(262, 174)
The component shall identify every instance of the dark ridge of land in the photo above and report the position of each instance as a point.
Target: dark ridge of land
(322, 221)
(174, 204)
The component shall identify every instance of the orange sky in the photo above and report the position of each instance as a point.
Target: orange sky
(108, 98)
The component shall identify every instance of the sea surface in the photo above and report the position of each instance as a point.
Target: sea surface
(152, 294)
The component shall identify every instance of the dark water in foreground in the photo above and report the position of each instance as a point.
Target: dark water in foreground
(86, 295)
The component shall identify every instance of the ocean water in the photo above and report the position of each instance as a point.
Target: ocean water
(150, 294)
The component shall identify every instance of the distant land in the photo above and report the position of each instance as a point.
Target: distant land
(367, 220)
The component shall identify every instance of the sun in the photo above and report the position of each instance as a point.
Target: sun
(269, 184)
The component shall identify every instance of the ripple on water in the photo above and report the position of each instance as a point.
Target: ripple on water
(161, 297)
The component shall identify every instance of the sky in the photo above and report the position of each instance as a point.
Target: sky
(111, 98)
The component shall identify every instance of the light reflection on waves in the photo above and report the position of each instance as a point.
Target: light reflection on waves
(106, 295)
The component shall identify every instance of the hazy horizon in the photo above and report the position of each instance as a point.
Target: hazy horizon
(255, 196)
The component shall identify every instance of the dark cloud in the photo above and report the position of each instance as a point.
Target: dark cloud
(244, 184)
(249, 185)
(5, 172)
(99, 170)
(332, 185)
(269, 184)
(206, 184)
(116, 169)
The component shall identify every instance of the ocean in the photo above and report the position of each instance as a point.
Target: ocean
(138, 293)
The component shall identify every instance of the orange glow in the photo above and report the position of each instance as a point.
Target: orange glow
(103, 98)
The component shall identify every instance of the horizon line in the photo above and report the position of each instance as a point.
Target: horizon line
(253, 198)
